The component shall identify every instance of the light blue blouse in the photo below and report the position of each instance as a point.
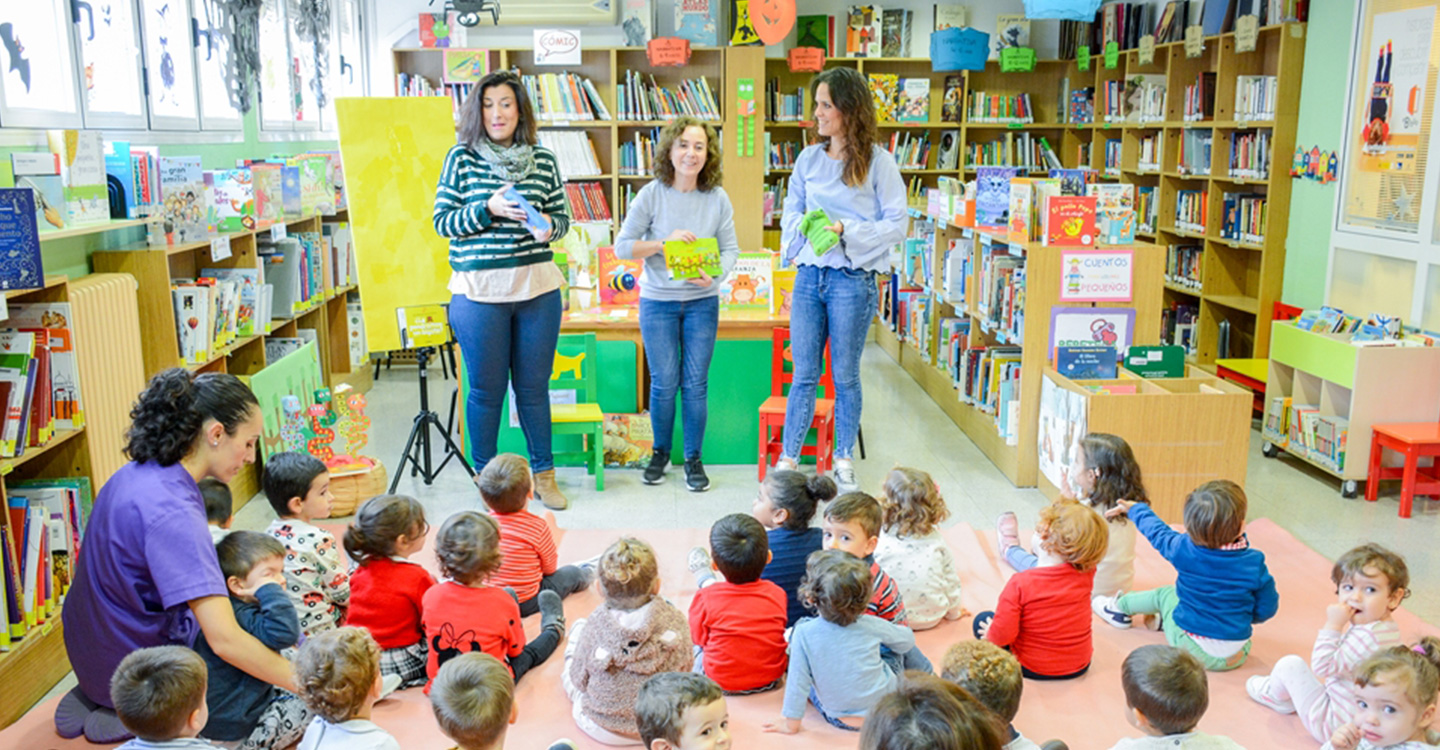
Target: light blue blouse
(873, 214)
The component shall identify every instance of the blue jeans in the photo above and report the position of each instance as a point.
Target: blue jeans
(835, 305)
(679, 342)
(1020, 559)
(910, 660)
(831, 720)
(514, 343)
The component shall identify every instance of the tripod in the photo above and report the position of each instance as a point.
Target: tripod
(417, 447)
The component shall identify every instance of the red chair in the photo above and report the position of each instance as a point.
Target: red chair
(1413, 441)
(772, 411)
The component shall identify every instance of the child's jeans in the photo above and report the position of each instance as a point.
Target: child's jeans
(566, 580)
(834, 722)
(912, 659)
(1163, 601)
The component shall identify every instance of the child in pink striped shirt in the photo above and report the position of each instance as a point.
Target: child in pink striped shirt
(1371, 581)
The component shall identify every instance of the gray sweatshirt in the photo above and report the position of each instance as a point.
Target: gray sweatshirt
(659, 210)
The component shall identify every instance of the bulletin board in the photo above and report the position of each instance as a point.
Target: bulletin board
(393, 149)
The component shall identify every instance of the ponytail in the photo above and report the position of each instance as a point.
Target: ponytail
(798, 495)
(171, 412)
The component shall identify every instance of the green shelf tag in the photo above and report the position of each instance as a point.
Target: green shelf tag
(1017, 60)
(1082, 57)
(1015, 125)
(1112, 55)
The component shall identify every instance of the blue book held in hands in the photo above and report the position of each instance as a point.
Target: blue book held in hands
(533, 219)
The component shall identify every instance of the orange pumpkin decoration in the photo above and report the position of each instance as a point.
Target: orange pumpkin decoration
(772, 19)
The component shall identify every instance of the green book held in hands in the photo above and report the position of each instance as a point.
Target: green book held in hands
(686, 260)
(816, 227)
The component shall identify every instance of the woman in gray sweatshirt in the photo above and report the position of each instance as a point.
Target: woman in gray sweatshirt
(679, 317)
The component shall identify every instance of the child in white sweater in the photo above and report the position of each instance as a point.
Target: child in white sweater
(912, 551)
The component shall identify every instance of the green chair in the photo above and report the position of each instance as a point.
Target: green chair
(576, 364)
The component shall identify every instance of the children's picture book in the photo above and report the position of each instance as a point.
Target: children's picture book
(685, 260)
(895, 32)
(423, 325)
(40, 174)
(618, 280)
(248, 300)
(629, 440)
(992, 196)
(82, 172)
(1086, 362)
(749, 285)
(182, 192)
(885, 91)
(862, 31)
(232, 199)
(534, 221)
(316, 195)
(21, 266)
(784, 288)
(954, 99)
(1092, 326)
(265, 183)
(67, 408)
(1021, 212)
(1072, 181)
(814, 31)
(194, 322)
(1070, 221)
(1062, 425)
(949, 150)
(1114, 212)
(914, 102)
(951, 16)
(291, 193)
(1011, 31)
(637, 22)
(698, 21)
(1156, 361)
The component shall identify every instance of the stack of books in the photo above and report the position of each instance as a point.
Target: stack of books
(1182, 265)
(1244, 218)
(638, 154)
(1255, 98)
(1250, 155)
(587, 201)
(999, 108)
(563, 97)
(574, 150)
(642, 100)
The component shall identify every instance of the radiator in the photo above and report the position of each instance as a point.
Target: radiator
(112, 373)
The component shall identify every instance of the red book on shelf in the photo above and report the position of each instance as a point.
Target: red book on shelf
(1070, 220)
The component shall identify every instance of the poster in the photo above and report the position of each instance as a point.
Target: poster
(1062, 425)
(1097, 275)
(1092, 326)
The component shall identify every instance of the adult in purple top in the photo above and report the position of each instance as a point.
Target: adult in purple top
(147, 574)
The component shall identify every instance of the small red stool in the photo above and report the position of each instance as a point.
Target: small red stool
(1413, 441)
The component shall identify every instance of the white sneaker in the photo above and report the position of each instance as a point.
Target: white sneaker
(844, 475)
(699, 559)
(1256, 686)
(389, 684)
(1104, 606)
(786, 464)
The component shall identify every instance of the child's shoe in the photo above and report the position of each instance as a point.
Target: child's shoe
(552, 611)
(699, 560)
(1104, 606)
(388, 684)
(1257, 687)
(1007, 531)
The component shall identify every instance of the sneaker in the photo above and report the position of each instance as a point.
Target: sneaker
(786, 464)
(699, 559)
(655, 472)
(1256, 686)
(389, 684)
(1105, 607)
(563, 745)
(552, 611)
(590, 569)
(844, 475)
(1007, 531)
(695, 477)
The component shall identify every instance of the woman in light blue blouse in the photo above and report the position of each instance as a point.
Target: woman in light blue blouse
(858, 187)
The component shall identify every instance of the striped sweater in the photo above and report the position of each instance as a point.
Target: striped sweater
(479, 241)
(1334, 660)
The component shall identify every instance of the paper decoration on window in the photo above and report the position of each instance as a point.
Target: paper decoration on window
(468, 11)
(772, 19)
(239, 22)
(1314, 164)
(312, 26)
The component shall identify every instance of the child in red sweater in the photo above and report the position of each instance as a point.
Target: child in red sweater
(1043, 616)
(529, 563)
(387, 589)
(463, 615)
(738, 624)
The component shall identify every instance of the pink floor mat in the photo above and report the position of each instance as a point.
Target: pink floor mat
(1087, 712)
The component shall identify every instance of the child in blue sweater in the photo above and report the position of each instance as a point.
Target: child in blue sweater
(785, 506)
(1222, 585)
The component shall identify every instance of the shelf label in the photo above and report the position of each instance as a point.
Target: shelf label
(1194, 41)
(278, 232)
(219, 248)
(668, 52)
(1112, 55)
(1147, 49)
(1247, 30)
(557, 47)
(1015, 125)
(806, 59)
(959, 49)
(1017, 60)
(1082, 57)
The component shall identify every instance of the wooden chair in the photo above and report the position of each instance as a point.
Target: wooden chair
(1413, 441)
(575, 369)
(772, 411)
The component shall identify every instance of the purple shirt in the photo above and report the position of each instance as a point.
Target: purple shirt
(146, 553)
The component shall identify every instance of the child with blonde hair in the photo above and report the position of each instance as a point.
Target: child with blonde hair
(993, 676)
(387, 590)
(1221, 587)
(1104, 472)
(1370, 582)
(912, 551)
(338, 676)
(1041, 613)
(928, 713)
(1396, 691)
(464, 614)
(633, 635)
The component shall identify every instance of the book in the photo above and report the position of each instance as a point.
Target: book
(748, 287)
(913, 104)
(291, 193)
(992, 196)
(1020, 225)
(949, 150)
(316, 195)
(950, 16)
(742, 30)
(953, 103)
(182, 195)
(21, 266)
(534, 220)
(618, 279)
(1086, 362)
(629, 441)
(247, 301)
(40, 173)
(1115, 212)
(82, 172)
(194, 322)
(17, 360)
(698, 21)
(895, 33)
(66, 405)
(267, 191)
(685, 260)
(1011, 31)
(885, 91)
(637, 22)
(232, 199)
(862, 31)
(1156, 361)
(813, 31)
(1070, 221)
(784, 288)
(1072, 181)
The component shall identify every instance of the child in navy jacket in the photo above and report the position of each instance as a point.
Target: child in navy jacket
(1222, 585)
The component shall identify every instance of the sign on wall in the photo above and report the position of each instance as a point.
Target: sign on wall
(1097, 275)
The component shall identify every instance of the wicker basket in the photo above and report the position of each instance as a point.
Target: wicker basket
(348, 492)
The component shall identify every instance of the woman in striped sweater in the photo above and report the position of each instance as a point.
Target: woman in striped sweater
(506, 304)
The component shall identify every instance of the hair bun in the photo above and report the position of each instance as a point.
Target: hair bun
(821, 487)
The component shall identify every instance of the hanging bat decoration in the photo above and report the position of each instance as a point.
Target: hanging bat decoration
(16, 50)
(313, 26)
(467, 12)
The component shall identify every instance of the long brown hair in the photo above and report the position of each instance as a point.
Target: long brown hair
(1118, 475)
(851, 95)
(709, 177)
(472, 114)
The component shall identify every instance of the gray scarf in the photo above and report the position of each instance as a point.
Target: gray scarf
(513, 163)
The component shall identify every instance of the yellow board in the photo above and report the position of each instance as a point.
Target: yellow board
(393, 149)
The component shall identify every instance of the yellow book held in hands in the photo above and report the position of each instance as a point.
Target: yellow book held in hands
(685, 260)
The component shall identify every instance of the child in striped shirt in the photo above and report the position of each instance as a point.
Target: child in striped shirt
(529, 563)
(1370, 581)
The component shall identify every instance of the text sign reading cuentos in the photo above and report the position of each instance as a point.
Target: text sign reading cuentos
(1097, 275)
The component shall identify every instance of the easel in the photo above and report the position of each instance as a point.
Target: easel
(417, 446)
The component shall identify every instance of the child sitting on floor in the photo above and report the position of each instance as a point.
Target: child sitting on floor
(298, 487)
(464, 614)
(785, 505)
(159, 695)
(835, 659)
(1221, 587)
(912, 551)
(682, 711)
(387, 590)
(1370, 581)
(633, 635)
(218, 505)
(473, 698)
(338, 675)
(1105, 471)
(1395, 691)
(1041, 616)
(529, 563)
(928, 713)
(993, 676)
(243, 708)
(738, 625)
(1166, 693)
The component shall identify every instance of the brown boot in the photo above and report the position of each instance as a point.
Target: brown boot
(549, 492)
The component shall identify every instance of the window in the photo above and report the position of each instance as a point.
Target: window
(169, 65)
(349, 71)
(107, 37)
(277, 104)
(37, 77)
(213, 63)
(302, 57)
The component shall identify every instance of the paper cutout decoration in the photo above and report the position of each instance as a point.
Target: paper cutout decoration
(772, 19)
(291, 432)
(806, 59)
(1082, 56)
(1065, 10)
(466, 65)
(557, 47)
(745, 132)
(1147, 49)
(1247, 31)
(742, 28)
(1194, 41)
(1017, 60)
(668, 52)
(959, 49)
(1112, 55)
